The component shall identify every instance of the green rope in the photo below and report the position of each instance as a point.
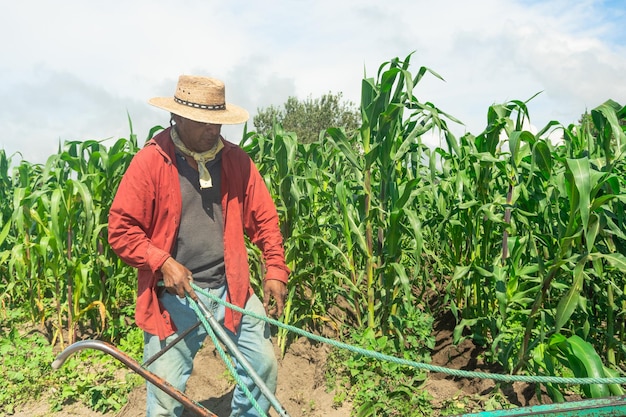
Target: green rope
(419, 365)
(224, 356)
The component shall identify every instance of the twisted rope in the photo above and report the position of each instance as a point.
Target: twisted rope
(227, 360)
(424, 366)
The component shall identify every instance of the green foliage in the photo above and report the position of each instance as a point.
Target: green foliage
(307, 118)
(55, 260)
(523, 237)
(94, 379)
(578, 357)
(349, 207)
(90, 377)
(54, 241)
(463, 404)
(25, 369)
(532, 233)
(381, 388)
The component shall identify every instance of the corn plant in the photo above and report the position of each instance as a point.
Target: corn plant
(348, 208)
(300, 180)
(389, 179)
(60, 263)
(6, 240)
(533, 232)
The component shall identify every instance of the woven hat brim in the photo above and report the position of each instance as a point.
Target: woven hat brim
(232, 115)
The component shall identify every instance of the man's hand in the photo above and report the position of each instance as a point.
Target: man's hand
(276, 290)
(177, 279)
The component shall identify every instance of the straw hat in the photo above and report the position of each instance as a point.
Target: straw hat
(201, 99)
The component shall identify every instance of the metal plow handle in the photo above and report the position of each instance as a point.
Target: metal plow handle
(165, 386)
(234, 351)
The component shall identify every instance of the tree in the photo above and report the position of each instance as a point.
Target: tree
(309, 117)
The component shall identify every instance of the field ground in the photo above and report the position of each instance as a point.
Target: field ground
(301, 385)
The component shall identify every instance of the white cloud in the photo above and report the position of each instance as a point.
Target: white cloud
(74, 75)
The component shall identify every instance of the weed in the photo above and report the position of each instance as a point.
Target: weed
(385, 388)
(25, 369)
(88, 377)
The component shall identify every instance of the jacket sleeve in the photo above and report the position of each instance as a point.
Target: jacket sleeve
(131, 221)
(262, 225)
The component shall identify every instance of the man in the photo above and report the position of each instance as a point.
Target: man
(180, 215)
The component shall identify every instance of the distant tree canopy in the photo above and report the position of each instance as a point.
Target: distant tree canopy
(309, 117)
(586, 121)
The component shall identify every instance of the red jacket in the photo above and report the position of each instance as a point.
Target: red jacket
(145, 215)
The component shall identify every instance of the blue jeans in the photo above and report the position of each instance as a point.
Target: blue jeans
(175, 366)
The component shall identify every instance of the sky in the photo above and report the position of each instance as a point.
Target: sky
(78, 70)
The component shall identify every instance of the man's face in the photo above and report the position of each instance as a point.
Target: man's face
(197, 136)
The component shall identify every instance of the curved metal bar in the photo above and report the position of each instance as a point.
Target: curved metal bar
(165, 386)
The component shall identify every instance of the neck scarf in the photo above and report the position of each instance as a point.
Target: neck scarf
(201, 158)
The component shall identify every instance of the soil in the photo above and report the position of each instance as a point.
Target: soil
(302, 390)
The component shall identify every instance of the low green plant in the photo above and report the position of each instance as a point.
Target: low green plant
(95, 380)
(89, 377)
(455, 405)
(132, 343)
(385, 388)
(25, 370)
